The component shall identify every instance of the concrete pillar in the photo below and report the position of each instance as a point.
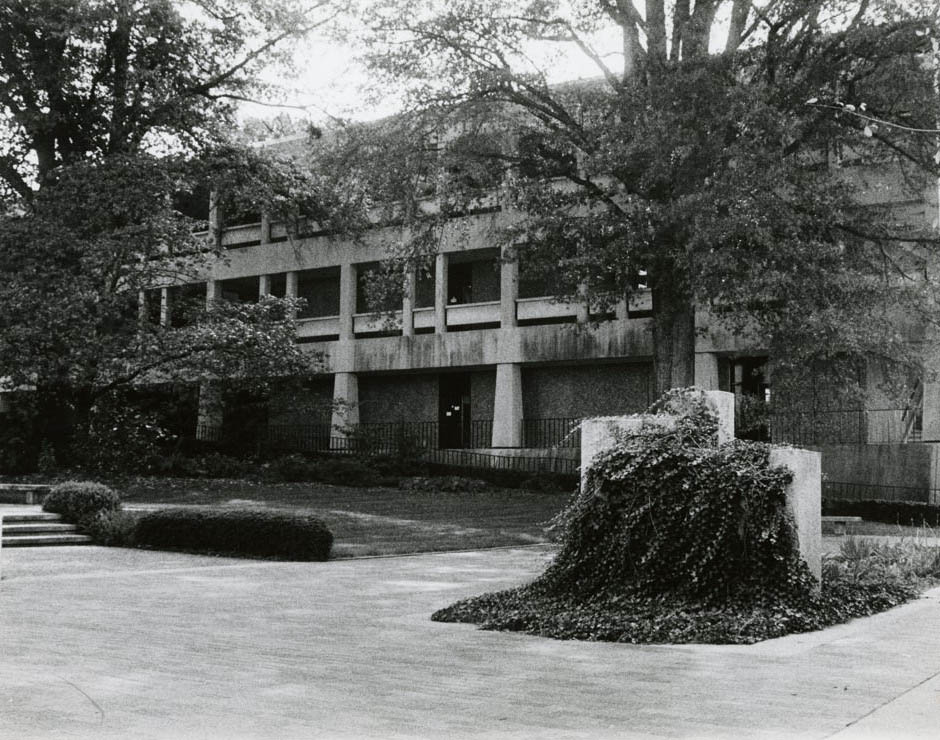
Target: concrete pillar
(508, 291)
(583, 307)
(804, 501)
(408, 303)
(264, 286)
(210, 412)
(164, 306)
(143, 307)
(215, 223)
(213, 293)
(706, 371)
(345, 404)
(290, 287)
(265, 229)
(507, 406)
(440, 293)
(620, 311)
(347, 300)
(931, 413)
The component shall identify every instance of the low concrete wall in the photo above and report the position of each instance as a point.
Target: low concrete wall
(804, 501)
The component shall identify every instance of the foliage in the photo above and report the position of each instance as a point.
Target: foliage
(113, 528)
(80, 501)
(447, 483)
(715, 176)
(46, 462)
(339, 470)
(905, 513)
(238, 532)
(548, 483)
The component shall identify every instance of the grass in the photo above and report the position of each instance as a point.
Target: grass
(374, 521)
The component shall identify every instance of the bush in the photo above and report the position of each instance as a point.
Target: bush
(905, 513)
(209, 465)
(676, 540)
(447, 483)
(292, 469)
(113, 528)
(347, 472)
(80, 501)
(549, 483)
(239, 532)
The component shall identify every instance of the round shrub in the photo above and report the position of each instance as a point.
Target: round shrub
(282, 535)
(80, 501)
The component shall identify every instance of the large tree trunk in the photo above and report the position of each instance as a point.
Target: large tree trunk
(673, 338)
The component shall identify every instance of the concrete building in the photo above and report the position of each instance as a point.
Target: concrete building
(473, 357)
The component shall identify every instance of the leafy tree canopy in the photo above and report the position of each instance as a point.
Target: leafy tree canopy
(724, 150)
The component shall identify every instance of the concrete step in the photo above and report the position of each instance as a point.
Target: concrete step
(18, 528)
(22, 518)
(44, 540)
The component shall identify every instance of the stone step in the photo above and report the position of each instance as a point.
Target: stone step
(50, 527)
(23, 493)
(44, 540)
(22, 518)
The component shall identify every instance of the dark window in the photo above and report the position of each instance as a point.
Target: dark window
(320, 289)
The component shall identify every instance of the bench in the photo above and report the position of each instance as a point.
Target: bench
(838, 524)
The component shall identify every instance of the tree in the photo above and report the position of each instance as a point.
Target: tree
(114, 112)
(705, 169)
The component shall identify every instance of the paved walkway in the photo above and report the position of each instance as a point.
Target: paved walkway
(109, 643)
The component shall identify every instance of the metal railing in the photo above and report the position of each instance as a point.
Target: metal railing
(868, 492)
(844, 426)
(521, 463)
(558, 432)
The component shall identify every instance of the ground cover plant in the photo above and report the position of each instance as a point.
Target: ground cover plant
(903, 513)
(676, 540)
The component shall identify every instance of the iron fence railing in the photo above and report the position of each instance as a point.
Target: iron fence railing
(874, 491)
(557, 432)
(521, 463)
(844, 426)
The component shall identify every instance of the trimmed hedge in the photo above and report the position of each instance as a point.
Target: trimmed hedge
(280, 535)
(905, 513)
(79, 501)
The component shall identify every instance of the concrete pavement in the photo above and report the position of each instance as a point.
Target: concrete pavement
(109, 643)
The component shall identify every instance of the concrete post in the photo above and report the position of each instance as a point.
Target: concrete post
(931, 412)
(143, 314)
(213, 293)
(408, 303)
(583, 308)
(804, 501)
(345, 404)
(620, 311)
(290, 287)
(215, 224)
(508, 291)
(706, 371)
(164, 306)
(265, 229)
(210, 412)
(264, 286)
(440, 293)
(507, 406)
(347, 300)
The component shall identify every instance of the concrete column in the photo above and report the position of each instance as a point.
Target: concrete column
(804, 501)
(264, 286)
(164, 306)
(347, 300)
(210, 412)
(706, 371)
(143, 313)
(213, 293)
(583, 309)
(508, 291)
(507, 406)
(345, 404)
(931, 413)
(265, 229)
(290, 287)
(440, 293)
(215, 223)
(620, 311)
(408, 303)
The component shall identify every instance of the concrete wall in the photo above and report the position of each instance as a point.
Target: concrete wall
(384, 398)
(585, 390)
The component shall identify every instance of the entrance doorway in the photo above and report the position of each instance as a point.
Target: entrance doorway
(454, 410)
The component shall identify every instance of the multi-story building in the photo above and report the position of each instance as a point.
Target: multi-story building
(474, 357)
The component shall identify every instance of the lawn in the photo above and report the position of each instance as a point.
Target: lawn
(374, 521)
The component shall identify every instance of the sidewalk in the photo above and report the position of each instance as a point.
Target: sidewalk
(108, 643)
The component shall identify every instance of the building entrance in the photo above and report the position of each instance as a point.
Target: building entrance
(454, 410)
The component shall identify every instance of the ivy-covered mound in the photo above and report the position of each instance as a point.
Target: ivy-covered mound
(677, 540)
